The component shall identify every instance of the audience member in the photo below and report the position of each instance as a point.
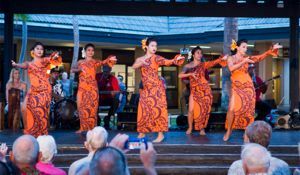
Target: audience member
(95, 139)
(122, 94)
(25, 154)
(112, 161)
(48, 151)
(4, 170)
(260, 132)
(66, 85)
(255, 159)
(108, 88)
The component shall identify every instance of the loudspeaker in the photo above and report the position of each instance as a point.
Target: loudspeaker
(127, 121)
(182, 121)
(216, 121)
(295, 120)
(283, 122)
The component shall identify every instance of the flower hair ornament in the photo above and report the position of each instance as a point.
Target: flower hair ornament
(83, 53)
(32, 54)
(233, 45)
(189, 55)
(144, 45)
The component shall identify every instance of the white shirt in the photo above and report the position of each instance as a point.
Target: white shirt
(277, 167)
(80, 163)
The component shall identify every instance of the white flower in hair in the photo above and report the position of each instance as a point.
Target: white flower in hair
(83, 54)
(189, 55)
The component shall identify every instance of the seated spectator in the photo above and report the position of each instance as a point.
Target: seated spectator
(95, 139)
(4, 169)
(121, 96)
(66, 84)
(83, 170)
(255, 159)
(48, 150)
(15, 92)
(25, 154)
(108, 89)
(297, 170)
(112, 161)
(3, 152)
(260, 132)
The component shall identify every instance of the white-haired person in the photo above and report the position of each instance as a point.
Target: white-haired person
(48, 150)
(256, 159)
(95, 139)
(260, 132)
(66, 84)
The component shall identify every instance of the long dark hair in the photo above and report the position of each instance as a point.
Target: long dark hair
(38, 44)
(148, 41)
(89, 45)
(193, 52)
(238, 43)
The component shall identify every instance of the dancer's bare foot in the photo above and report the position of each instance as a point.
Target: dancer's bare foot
(227, 135)
(141, 135)
(188, 131)
(159, 138)
(78, 131)
(202, 132)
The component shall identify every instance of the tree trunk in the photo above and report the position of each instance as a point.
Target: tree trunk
(76, 43)
(24, 45)
(230, 32)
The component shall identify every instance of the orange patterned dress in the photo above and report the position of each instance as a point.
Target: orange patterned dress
(38, 97)
(242, 99)
(87, 95)
(202, 93)
(152, 108)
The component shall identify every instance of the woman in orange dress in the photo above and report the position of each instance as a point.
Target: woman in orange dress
(152, 108)
(38, 98)
(87, 95)
(241, 108)
(200, 99)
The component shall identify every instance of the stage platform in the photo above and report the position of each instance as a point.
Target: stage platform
(178, 153)
(279, 137)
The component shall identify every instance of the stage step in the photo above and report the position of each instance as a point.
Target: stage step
(182, 158)
(181, 170)
(178, 170)
(190, 148)
(179, 159)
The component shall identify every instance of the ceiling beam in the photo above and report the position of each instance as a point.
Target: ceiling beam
(151, 8)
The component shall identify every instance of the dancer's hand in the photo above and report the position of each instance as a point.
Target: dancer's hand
(181, 57)
(13, 63)
(179, 60)
(276, 46)
(225, 57)
(193, 75)
(3, 152)
(82, 70)
(112, 58)
(54, 55)
(248, 60)
(111, 61)
(144, 61)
